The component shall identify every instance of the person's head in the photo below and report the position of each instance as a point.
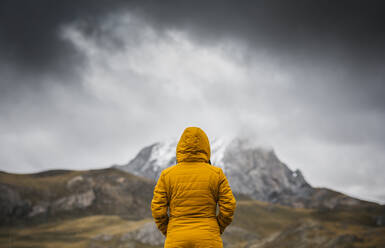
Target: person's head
(193, 146)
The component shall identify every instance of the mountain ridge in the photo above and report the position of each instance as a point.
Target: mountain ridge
(252, 170)
(58, 193)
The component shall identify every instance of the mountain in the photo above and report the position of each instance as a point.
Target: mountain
(252, 171)
(63, 193)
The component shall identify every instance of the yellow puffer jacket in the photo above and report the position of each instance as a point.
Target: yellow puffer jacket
(186, 196)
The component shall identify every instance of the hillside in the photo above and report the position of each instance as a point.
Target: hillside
(256, 224)
(64, 193)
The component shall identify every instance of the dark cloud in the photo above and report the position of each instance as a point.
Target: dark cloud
(354, 26)
(343, 35)
(30, 29)
(30, 37)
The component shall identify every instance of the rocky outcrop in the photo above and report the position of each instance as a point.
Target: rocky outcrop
(39, 209)
(11, 204)
(107, 191)
(380, 221)
(75, 201)
(257, 172)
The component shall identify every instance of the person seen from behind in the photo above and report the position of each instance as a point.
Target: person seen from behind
(186, 196)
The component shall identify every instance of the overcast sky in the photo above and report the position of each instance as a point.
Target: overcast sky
(86, 84)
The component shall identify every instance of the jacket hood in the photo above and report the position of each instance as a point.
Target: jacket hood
(193, 146)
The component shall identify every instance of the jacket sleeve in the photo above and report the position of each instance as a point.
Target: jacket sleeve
(159, 205)
(226, 203)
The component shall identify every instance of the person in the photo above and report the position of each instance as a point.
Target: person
(184, 205)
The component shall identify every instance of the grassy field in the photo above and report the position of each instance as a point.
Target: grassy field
(92, 231)
(279, 226)
(256, 224)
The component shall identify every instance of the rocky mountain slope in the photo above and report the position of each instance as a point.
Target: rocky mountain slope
(58, 194)
(253, 171)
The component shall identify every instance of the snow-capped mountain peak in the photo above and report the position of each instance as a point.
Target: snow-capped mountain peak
(218, 149)
(162, 153)
(252, 170)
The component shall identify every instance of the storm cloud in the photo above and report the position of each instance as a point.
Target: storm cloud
(85, 84)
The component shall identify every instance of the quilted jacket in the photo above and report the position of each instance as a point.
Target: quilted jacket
(186, 196)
